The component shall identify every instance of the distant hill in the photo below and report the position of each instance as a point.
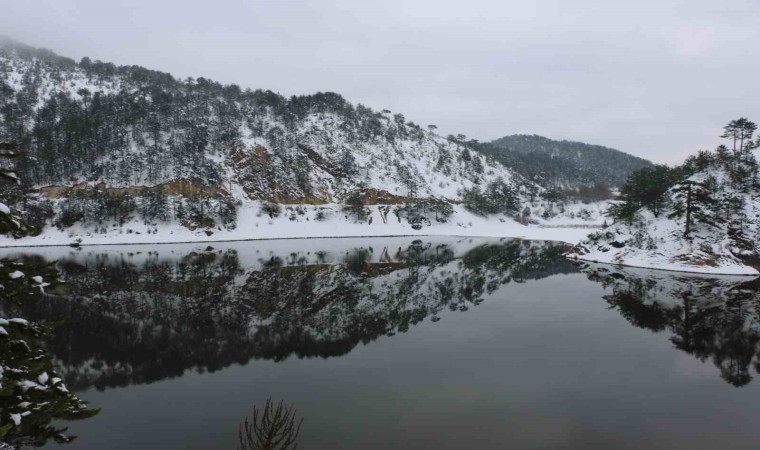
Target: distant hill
(563, 163)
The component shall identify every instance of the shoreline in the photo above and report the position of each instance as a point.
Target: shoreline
(521, 236)
(252, 225)
(679, 269)
(283, 238)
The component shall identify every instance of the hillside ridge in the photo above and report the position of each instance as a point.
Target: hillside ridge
(112, 150)
(563, 163)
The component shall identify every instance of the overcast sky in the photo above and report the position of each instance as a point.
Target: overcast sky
(655, 78)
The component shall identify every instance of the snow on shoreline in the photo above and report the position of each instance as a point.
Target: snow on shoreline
(252, 224)
(654, 263)
(671, 252)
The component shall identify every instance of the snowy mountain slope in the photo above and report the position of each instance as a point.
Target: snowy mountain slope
(128, 126)
(112, 151)
(718, 195)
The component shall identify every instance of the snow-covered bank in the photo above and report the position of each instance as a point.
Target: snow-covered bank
(643, 260)
(658, 243)
(706, 218)
(302, 222)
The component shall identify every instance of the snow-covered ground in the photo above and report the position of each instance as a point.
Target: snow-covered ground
(638, 259)
(659, 243)
(252, 223)
(300, 222)
(662, 249)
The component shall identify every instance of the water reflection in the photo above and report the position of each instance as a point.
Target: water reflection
(137, 315)
(713, 319)
(144, 317)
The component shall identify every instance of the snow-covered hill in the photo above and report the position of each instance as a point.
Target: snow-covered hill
(309, 149)
(112, 151)
(707, 221)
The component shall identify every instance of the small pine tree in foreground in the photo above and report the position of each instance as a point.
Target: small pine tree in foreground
(273, 428)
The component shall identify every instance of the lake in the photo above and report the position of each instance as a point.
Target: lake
(442, 343)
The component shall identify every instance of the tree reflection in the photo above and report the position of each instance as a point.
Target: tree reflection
(145, 318)
(712, 319)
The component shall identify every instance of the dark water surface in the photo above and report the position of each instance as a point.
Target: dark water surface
(393, 343)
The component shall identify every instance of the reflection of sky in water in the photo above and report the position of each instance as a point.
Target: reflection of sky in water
(688, 367)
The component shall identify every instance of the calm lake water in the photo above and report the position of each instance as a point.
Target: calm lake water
(382, 343)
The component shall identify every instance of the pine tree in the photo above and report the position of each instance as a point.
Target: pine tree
(347, 164)
(647, 188)
(747, 129)
(442, 209)
(10, 222)
(625, 211)
(355, 203)
(731, 131)
(740, 131)
(694, 202)
(28, 412)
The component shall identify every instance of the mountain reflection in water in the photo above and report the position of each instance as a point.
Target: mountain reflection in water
(134, 316)
(138, 318)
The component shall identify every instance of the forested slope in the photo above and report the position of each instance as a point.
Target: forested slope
(104, 151)
(127, 125)
(563, 164)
